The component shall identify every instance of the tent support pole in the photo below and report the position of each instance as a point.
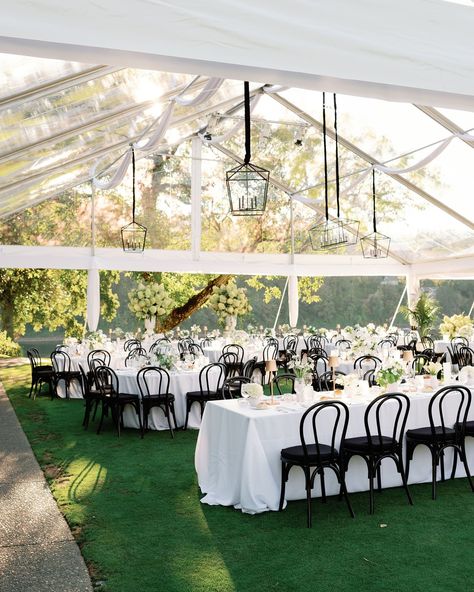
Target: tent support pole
(196, 188)
(398, 307)
(281, 303)
(471, 309)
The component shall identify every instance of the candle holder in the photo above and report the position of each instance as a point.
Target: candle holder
(333, 363)
(271, 367)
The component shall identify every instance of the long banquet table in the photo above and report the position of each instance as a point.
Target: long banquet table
(237, 456)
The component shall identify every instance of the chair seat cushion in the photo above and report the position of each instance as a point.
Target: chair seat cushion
(469, 427)
(296, 453)
(157, 398)
(202, 395)
(361, 443)
(425, 434)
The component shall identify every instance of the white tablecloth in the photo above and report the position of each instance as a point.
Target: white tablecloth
(180, 384)
(238, 463)
(215, 352)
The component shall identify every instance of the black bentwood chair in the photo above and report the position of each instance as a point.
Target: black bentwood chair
(438, 436)
(379, 443)
(62, 371)
(40, 374)
(113, 400)
(315, 457)
(214, 374)
(92, 396)
(232, 387)
(154, 385)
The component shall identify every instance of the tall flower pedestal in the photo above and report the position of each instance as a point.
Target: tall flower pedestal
(150, 325)
(230, 324)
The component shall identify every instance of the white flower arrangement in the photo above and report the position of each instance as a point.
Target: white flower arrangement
(301, 368)
(457, 326)
(95, 339)
(253, 390)
(391, 371)
(349, 381)
(148, 300)
(433, 368)
(195, 329)
(228, 300)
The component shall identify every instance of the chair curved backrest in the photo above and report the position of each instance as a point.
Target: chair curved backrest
(385, 344)
(458, 340)
(131, 344)
(325, 382)
(33, 356)
(206, 342)
(232, 387)
(230, 361)
(465, 356)
(427, 342)
(455, 399)
(62, 347)
(249, 367)
(270, 351)
(211, 377)
(285, 380)
(195, 349)
(160, 344)
(60, 361)
(235, 349)
(107, 381)
(269, 340)
(334, 416)
(394, 422)
(100, 354)
(153, 380)
(133, 354)
(317, 352)
(370, 362)
(290, 342)
(343, 344)
(419, 362)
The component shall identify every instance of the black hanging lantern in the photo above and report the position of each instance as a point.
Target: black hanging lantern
(332, 234)
(133, 234)
(247, 184)
(375, 245)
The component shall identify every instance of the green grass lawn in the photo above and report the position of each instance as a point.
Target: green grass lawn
(134, 508)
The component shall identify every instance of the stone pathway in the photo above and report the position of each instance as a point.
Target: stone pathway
(37, 550)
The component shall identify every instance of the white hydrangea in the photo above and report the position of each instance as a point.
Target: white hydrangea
(146, 301)
(229, 300)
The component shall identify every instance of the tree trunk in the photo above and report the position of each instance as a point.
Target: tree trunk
(180, 314)
(7, 312)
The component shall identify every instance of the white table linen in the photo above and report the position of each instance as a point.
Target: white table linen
(238, 463)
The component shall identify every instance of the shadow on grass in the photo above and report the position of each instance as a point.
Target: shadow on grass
(134, 505)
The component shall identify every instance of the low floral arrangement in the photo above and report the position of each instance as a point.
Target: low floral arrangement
(228, 300)
(195, 329)
(70, 341)
(149, 300)
(433, 368)
(390, 372)
(301, 367)
(118, 333)
(253, 390)
(95, 339)
(164, 360)
(457, 326)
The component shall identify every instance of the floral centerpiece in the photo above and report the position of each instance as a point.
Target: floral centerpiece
(253, 391)
(229, 302)
(96, 339)
(164, 360)
(390, 372)
(457, 326)
(302, 368)
(149, 301)
(433, 368)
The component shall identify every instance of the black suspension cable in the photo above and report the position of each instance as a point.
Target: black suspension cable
(373, 198)
(325, 158)
(247, 122)
(337, 154)
(133, 183)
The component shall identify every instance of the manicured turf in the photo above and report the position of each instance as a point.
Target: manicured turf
(134, 507)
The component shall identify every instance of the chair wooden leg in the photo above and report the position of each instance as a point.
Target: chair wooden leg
(167, 414)
(455, 463)
(346, 495)
(308, 495)
(174, 415)
(404, 480)
(466, 466)
(443, 477)
(284, 478)
(188, 409)
(101, 419)
(434, 465)
(323, 486)
(379, 478)
(371, 471)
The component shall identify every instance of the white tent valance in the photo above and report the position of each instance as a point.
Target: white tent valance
(409, 50)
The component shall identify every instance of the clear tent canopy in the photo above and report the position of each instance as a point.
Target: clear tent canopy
(62, 123)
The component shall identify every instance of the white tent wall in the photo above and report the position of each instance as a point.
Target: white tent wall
(409, 50)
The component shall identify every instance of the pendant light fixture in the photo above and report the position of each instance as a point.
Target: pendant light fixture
(247, 184)
(332, 234)
(133, 234)
(375, 245)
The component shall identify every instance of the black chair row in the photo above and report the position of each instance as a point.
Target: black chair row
(378, 443)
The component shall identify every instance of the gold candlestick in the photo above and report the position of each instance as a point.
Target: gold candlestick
(271, 367)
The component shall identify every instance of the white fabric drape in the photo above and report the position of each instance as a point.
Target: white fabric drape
(163, 121)
(93, 299)
(212, 86)
(117, 177)
(293, 300)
